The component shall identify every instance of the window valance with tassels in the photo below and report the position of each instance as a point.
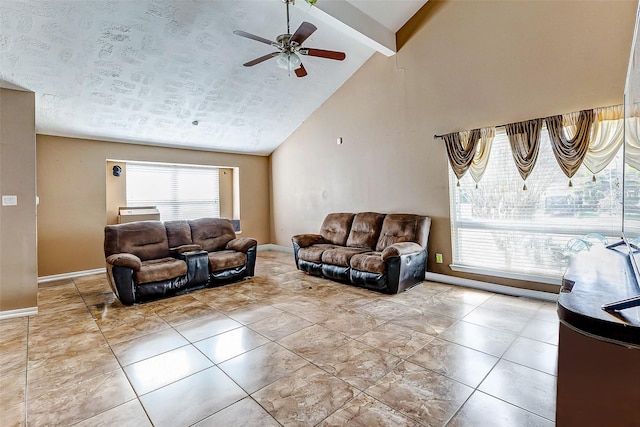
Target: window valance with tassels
(498, 229)
(589, 137)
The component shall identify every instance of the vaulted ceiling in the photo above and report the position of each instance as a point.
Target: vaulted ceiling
(144, 71)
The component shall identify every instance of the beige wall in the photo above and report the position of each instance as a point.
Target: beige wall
(73, 196)
(18, 263)
(226, 193)
(461, 65)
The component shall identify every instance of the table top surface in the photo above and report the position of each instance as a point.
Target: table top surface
(596, 277)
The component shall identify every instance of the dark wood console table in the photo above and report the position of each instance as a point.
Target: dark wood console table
(599, 351)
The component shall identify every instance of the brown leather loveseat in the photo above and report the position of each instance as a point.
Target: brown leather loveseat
(152, 259)
(382, 252)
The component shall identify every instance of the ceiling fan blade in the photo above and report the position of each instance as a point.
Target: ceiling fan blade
(252, 37)
(301, 72)
(321, 53)
(303, 32)
(261, 59)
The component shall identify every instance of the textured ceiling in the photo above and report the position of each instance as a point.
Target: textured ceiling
(144, 70)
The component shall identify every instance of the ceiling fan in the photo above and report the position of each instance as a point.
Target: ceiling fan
(290, 46)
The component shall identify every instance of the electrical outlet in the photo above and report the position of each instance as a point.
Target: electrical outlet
(438, 258)
(9, 200)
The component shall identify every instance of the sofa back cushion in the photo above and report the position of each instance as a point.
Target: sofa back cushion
(178, 233)
(365, 230)
(335, 228)
(144, 239)
(212, 234)
(398, 228)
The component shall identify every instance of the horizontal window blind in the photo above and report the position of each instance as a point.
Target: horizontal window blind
(499, 226)
(178, 191)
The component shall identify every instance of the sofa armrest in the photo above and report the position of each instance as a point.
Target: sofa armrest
(305, 240)
(243, 244)
(185, 248)
(125, 260)
(399, 249)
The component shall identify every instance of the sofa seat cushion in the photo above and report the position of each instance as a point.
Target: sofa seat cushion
(314, 253)
(155, 270)
(371, 262)
(222, 260)
(341, 256)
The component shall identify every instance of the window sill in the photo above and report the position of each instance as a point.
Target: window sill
(507, 274)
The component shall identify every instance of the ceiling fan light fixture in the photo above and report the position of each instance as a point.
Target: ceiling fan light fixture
(288, 61)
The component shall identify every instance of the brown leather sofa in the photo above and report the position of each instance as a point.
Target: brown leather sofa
(382, 252)
(147, 260)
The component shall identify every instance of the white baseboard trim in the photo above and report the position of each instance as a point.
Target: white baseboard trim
(491, 287)
(272, 247)
(20, 312)
(45, 279)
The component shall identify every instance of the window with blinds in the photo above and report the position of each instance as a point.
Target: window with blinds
(178, 191)
(498, 228)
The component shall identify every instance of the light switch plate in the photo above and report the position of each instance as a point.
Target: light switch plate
(9, 200)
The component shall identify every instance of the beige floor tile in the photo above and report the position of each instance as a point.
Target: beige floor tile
(45, 347)
(280, 325)
(542, 330)
(356, 363)
(230, 344)
(308, 309)
(13, 328)
(14, 415)
(479, 338)
(262, 366)
(466, 295)
(175, 404)
(184, 309)
(150, 345)
(313, 341)
(304, 397)
(125, 323)
(130, 414)
(484, 410)
(351, 323)
(216, 323)
(13, 389)
(533, 354)
(424, 322)
(385, 309)
(13, 356)
(512, 323)
(253, 313)
(421, 394)
(395, 339)
(548, 311)
(510, 304)
(77, 402)
(524, 387)
(447, 307)
(365, 411)
(246, 412)
(47, 374)
(158, 371)
(69, 357)
(454, 361)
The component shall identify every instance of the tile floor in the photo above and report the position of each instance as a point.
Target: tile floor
(281, 348)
